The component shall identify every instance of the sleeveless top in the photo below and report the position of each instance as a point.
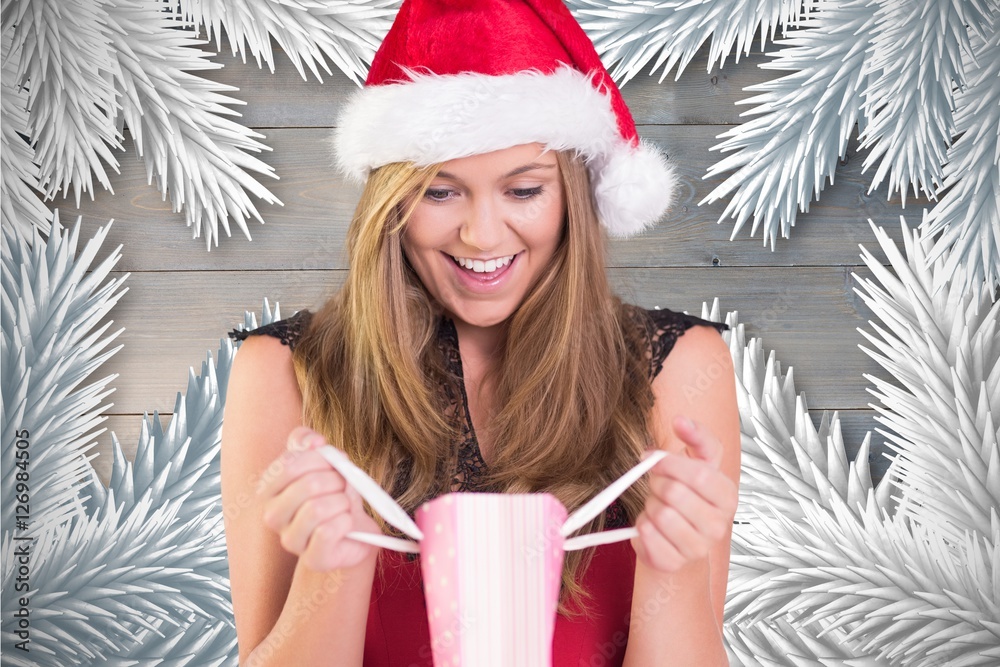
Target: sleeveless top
(397, 633)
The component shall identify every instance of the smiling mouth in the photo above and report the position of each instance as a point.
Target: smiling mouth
(483, 266)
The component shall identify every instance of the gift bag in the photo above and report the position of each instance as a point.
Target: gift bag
(491, 563)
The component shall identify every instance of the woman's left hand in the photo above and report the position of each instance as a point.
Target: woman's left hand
(691, 502)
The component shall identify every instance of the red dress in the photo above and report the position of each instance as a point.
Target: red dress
(398, 633)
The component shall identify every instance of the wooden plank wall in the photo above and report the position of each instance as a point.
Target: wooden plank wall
(799, 298)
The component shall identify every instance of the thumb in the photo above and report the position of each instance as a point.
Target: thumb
(701, 444)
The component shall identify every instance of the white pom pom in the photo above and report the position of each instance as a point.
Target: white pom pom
(633, 187)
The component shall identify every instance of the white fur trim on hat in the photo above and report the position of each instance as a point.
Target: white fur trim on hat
(435, 118)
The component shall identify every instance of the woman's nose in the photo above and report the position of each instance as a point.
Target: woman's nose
(483, 227)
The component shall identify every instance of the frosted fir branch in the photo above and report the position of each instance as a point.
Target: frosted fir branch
(179, 467)
(180, 461)
(786, 462)
(268, 315)
(785, 458)
(178, 122)
(801, 125)
(896, 590)
(915, 62)
(308, 31)
(942, 349)
(53, 301)
(779, 643)
(630, 35)
(64, 65)
(20, 194)
(968, 214)
(98, 581)
(200, 643)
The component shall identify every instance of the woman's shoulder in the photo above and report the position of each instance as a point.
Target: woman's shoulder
(287, 330)
(661, 327)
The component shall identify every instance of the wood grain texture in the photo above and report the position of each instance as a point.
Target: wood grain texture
(809, 315)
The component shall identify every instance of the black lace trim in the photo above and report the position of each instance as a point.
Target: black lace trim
(288, 330)
(662, 328)
(470, 467)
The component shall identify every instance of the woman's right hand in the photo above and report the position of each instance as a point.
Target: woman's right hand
(312, 507)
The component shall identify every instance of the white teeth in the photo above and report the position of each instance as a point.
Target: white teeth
(479, 266)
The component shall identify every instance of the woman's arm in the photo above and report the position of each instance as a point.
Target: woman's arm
(288, 610)
(682, 553)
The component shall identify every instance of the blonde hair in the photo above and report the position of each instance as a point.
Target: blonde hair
(571, 383)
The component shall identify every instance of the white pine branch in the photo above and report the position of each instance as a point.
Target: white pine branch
(200, 643)
(785, 458)
(65, 67)
(103, 580)
(631, 34)
(968, 213)
(915, 61)
(778, 643)
(177, 120)
(183, 460)
(921, 587)
(53, 301)
(20, 200)
(179, 467)
(942, 348)
(895, 589)
(308, 31)
(786, 462)
(802, 123)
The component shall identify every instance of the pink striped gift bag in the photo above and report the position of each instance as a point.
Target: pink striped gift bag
(506, 617)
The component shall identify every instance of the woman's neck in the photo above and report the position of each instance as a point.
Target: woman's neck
(478, 345)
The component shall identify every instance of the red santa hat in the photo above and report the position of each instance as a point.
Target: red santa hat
(464, 77)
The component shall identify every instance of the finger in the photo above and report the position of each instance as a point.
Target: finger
(325, 548)
(708, 520)
(675, 529)
(701, 477)
(302, 438)
(654, 549)
(700, 441)
(289, 467)
(311, 516)
(280, 509)
(357, 502)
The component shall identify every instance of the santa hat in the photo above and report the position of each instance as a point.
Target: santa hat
(464, 77)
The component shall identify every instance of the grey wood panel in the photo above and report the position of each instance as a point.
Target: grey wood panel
(285, 99)
(172, 319)
(308, 232)
(854, 425)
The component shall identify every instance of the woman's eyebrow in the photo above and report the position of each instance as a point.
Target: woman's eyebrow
(520, 170)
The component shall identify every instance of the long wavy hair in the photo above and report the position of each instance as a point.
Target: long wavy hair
(571, 384)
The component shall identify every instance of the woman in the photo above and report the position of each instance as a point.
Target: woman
(476, 346)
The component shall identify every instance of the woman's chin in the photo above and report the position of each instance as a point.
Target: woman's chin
(482, 318)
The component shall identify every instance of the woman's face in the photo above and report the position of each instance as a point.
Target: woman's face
(485, 229)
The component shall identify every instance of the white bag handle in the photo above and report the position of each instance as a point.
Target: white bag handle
(386, 506)
(600, 502)
(380, 501)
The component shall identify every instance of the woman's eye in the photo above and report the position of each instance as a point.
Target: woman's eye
(436, 195)
(527, 193)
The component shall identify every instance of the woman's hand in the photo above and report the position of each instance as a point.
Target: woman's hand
(312, 507)
(691, 502)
